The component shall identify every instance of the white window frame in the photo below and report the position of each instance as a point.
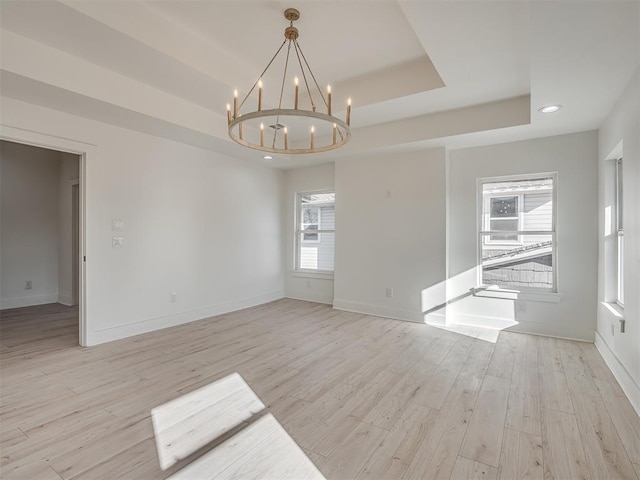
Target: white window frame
(298, 232)
(481, 205)
(619, 233)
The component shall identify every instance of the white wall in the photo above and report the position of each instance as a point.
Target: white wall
(390, 233)
(314, 288)
(619, 135)
(570, 314)
(67, 177)
(197, 223)
(29, 225)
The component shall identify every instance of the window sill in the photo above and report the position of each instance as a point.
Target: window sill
(615, 308)
(311, 274)
(509, 294)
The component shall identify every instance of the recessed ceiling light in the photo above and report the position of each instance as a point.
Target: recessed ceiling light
(268, 157)
(549, 108)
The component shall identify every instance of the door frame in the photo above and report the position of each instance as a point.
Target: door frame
(87, 153)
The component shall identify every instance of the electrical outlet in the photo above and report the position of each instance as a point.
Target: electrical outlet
(389, 292)
(28, 285)
(173, 298)
(308, 283)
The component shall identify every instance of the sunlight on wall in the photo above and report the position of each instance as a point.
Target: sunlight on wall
(458, 306)
(607, 221)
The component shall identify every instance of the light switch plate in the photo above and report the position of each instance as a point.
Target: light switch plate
(117, 242)
(117, 225)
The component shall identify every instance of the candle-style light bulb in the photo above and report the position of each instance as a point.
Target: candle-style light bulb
(228, 114)
(286, 138)
(335, 131)
(262, 134)
(313, 131)
(329, 100)
(349, 111)
(235, 104)
(259, 94)
(295, 102)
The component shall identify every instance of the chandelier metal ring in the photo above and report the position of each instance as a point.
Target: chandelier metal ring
(234, 128)
(290, 137)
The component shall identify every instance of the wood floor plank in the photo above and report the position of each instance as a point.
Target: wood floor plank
(521, 456)
(466, 468)
(554, 390)
(392, 457)
(523, 410)
(563, 453)
(353, 452)
(483, 440)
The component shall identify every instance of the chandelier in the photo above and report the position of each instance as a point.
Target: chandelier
(301, 123)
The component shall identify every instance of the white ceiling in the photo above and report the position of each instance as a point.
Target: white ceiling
(421, 73)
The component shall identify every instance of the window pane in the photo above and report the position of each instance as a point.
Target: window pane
(504, 225)
(530, 200)
(318, 198)
(621, 268)
(619, 205)
(504, 207)
(310, 215)
(318, 256)
(310, 237)
(529, 264)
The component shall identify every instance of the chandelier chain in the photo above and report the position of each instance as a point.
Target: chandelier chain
(304, 77)
(284, 76)
(263, 72)
(312, 75)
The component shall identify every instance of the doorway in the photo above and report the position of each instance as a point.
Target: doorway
(71, 189)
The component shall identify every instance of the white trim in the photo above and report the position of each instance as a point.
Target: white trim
(158, 323)
(65, 300)
(314, 297)
(511, 294)
(88, 153)
(629, 386)
(317, 274)
(379, 311)
(30, 301)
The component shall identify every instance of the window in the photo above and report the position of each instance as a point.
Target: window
(516, 232)
(620, 233)
(315, 231)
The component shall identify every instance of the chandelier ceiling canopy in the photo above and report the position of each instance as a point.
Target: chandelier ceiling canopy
(302, 120)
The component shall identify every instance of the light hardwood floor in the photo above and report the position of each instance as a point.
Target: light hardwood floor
(364, 397)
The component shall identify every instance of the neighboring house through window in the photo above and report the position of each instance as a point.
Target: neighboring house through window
(620, 234)
(516, 235)
(315, 231)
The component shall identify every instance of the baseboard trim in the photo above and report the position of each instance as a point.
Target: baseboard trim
(629, 386)
(65, 300)
(96, 337)
(31, 301)
(311, 297)
(379, 311)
